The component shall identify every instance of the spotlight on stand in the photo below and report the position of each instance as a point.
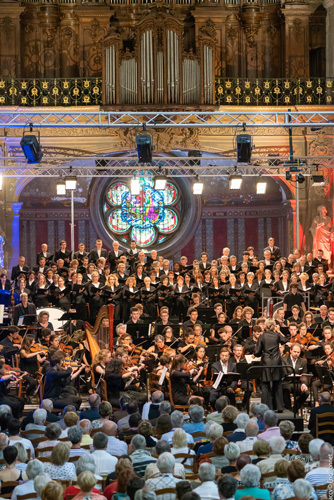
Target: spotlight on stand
(300, 178)
(318, 180)
(194, 153)
(135, 187)
(31, 146)
(288, 175)
(244, 148)
(144, 148)
(198, 186)
(261, 187)
(235, 181)
(71, 182)
(61, 188)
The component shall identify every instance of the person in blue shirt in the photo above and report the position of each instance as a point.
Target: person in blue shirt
(196, 424)
(250, 477)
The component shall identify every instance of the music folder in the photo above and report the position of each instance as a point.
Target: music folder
(225, 378)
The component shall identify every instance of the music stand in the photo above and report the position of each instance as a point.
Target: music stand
(159, 328)
(212, 352)
(29, 319)
(205, 313)
(137, 331)
(226, 379)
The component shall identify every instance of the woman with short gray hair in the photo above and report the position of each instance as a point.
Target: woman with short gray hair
(250, 477)
(231, 452)
(196, 424)
(52, 433)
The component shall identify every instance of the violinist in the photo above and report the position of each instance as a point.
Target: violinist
(187, 346)
(250, 343)
(168, 335)
(119, 379)
(158, 348)
(326, 383)
(199, 339)
(306, 339)
(45, 340)
(181, 379)
(164, 361)
(9, 346)
(309, 320)
(29, 363)
(100, 362)
(54, 343)
(14, 402)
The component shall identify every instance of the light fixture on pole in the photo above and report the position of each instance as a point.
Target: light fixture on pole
(198, 186)
(71, 182)
(135, 187)
(235, 181)
(61, 188)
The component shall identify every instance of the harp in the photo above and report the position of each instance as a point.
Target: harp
(95, 337)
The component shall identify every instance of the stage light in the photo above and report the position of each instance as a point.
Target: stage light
(194, 153)
(300, 178)
(160, 182)
(135, 187)
(61, 188)
(288, 175)
(31, 147)
(144, 148)
(318, 180)
(261, 187)
(198, 187)
(244, 148)
(71, 182)
(235, 182)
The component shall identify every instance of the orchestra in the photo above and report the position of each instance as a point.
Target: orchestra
(124, 315)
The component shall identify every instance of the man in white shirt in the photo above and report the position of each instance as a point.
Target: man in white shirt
(34, 468)
(208, 489)
(166, 464)
(115, 446)
(227, 486)
(105, 463)
(277, 446)
(152, 469)
(157, 398)
(177, 420)
(321, 475)
(251, 431)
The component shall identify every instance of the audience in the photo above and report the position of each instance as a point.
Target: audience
(177, 421)
(86, 426)
(251, 432)
(75, 437)
(10, 472)
(250, 477)
(52, 491)
(322, 474)
(270, 426)
(165, 464)
(39, 482)
(220, 404)
(229, 415)
(231, 452)
(208, 489)
(227, 487)
(105, 463)
(296, 470)
(163, 446)
(277, 446)
(179, 442)
(239, 433)
(93, 413)
(34, 468)
(140, 457)
(196, 424)
(219, 460)
(115, 446)
(105, 410)
(86, 482)
(287, 428)
(52, 433)
(314, 449)
(22, 457)
(212, 431)
(59, 467)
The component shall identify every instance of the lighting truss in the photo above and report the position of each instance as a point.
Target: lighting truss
(180, 119)
(92, 166)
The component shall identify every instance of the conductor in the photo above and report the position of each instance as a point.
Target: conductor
(268, 349)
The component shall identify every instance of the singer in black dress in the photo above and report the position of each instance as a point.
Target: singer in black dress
(268, 348)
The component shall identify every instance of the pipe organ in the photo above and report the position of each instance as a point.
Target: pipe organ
(150, 64)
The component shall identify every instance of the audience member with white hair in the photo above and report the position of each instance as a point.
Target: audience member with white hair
(75, 436)
(165, 464)
(34, 468)
(251, 432)
(208, 489)
(39, 417)
(22, 458)
(239, 433)
(52, 434)
(140, 457)
(277, 446)
(314, 450)
(322, 474)
(287, 429)
(196, 424)
(250, 478)
(39, 482)
(232, 453)
(179, 445)
(302, 489)
(4, 440)
(212, 431)
(177, 420)
(271, 428)
(163, 446)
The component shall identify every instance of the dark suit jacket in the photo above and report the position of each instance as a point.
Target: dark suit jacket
(16, 271)
(93, 256)
(268, 348)
(112, 258)
(19, 311)
(301, 367)
(36, 269)
(325, 408)
(275, 254)
(231, 368)
(48, 257)
(79, 257)
(63, 255)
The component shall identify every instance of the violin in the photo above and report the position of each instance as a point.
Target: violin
(18, 340)
(39, 347)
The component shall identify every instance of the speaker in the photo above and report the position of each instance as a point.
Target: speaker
(244, 148)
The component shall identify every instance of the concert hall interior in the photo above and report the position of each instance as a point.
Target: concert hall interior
(166, 249)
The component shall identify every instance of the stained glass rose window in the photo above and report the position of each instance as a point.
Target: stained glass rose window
(149, 217)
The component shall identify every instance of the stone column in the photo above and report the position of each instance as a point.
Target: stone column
(15, 243)
(329, 6)
(297, 59)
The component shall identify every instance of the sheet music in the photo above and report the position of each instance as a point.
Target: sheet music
(249, 358)
(2, 310)
(20, 321)
(218, 380)
(163, 376)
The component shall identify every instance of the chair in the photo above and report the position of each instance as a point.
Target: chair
(170, 393)
(28, 496)
(104, 392)
(290, 452)
(94, 431)
(64, 482)
(321, 489)
(69, 497)
(165, 491)
(153, 383)
(8, 484)
(266, 476)
(47, 449)
(32, 432)
(199, 434)
(185, 457)
(324, 424)
(227, 433)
